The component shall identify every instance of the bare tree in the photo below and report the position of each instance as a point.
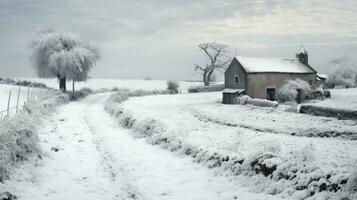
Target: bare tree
(218, 58)
(63, 56)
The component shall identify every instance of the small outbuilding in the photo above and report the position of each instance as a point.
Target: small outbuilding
(230, 95)
(261, 77)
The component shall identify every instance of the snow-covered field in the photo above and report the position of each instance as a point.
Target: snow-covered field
(340, 98)
(201, 121)
(132, 84)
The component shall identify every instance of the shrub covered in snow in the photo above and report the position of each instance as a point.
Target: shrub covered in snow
(18, 134)
(25, 83)
(211, 88)
(342, 73)
(140, 93)
(173, 86)
(289, 91)
(80, 93)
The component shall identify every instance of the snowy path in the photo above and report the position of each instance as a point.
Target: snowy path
(96, 159)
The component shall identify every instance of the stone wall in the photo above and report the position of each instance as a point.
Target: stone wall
(235, 69)
(258, 83)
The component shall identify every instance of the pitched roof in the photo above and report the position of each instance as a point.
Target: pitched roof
(280, 65)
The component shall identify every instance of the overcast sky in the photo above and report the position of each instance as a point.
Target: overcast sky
(159, 38)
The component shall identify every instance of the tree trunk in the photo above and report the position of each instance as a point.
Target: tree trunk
(205, 82)
(62, 84)
(209, 77)
(73, 95)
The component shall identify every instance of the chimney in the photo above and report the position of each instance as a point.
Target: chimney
(303, 56)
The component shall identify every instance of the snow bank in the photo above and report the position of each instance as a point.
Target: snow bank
(296, 175)
(256, 102)
(329, 112)
(262, 102)
(18, 134)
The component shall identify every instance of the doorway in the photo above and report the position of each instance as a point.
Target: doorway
(271, 94)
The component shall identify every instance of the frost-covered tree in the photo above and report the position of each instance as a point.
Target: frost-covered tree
(217, 55)
(342, 73)
(62, 55)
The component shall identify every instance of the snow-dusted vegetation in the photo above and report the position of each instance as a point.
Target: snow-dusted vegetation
(342, 73)
(211, 88)
(268, 150)
(289, 91)
(18, 134)
(62, 55)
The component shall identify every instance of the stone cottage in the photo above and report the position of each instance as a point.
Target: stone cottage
(261, 77)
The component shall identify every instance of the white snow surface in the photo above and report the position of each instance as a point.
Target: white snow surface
(257, 64)
(340, 99)
(203, 121)
(97, 159)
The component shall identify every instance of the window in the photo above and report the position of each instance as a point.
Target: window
(236, 79)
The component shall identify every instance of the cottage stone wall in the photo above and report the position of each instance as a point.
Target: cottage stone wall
(258, 83)
(235, 69)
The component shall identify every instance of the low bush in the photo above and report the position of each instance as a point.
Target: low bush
(18, 134)
(173, 86)
(211, 88)
(289, 91)
(80, 93)
(24, 83)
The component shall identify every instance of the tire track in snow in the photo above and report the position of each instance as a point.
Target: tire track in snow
(303, 133)
(157, 173)
(112, 168)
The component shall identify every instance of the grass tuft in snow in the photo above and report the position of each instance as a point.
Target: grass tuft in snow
(18, 134)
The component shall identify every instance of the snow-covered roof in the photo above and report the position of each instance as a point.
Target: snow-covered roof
(324, 76)
(230, 90)
(256, 64)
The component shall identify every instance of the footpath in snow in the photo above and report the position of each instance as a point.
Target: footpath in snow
(88, 156)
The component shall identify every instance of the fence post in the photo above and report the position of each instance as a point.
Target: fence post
(8, 104)
(18, 98)
(28, 93)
